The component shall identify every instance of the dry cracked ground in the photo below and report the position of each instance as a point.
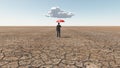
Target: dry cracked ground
(79, 47)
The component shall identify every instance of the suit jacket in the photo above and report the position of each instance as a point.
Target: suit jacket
(58, 27)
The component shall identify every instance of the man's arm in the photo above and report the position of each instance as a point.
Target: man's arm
(60, 26)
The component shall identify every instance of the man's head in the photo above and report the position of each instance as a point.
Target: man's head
(58, 23)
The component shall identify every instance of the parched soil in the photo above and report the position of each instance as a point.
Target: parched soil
(79, 47)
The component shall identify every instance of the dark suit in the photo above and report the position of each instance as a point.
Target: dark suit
(58, 29)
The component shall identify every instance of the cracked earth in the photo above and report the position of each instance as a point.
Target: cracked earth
(79, 47)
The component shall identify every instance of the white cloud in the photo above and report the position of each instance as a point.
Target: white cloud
(56, 12)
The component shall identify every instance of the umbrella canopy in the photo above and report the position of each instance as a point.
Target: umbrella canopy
(60, 20)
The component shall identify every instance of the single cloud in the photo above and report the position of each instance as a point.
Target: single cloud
(56, 12)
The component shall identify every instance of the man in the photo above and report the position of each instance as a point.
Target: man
(58, 29)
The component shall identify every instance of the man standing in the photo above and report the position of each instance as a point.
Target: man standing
(58, 29)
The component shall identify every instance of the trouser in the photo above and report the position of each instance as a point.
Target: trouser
(58, 34)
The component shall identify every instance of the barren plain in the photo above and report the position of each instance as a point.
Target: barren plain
(79, 47)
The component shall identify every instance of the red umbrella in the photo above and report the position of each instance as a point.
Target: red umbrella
(60, 20)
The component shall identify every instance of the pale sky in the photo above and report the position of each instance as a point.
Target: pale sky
(87, 12)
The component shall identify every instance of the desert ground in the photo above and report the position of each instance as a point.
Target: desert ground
(78, 47)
